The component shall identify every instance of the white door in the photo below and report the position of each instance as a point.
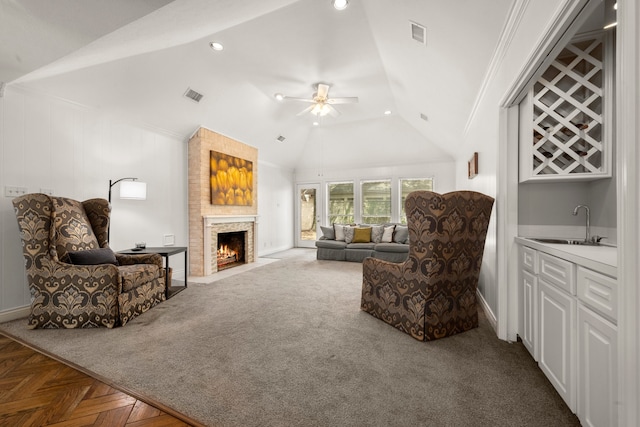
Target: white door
(307, 215)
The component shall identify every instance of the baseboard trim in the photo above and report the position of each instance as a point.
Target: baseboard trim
(272, 251)
(14, 314)
(491, 317)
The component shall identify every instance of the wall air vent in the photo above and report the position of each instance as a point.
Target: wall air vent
(419, 33)
(424, 117)
(280, 138)
(193, 95)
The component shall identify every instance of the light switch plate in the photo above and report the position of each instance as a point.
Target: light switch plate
(169, 240)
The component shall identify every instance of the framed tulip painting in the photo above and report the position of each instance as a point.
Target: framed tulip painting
(231, 180)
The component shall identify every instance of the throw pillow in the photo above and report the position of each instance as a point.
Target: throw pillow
(376, 233)
(362, 235)
(387, 234)
(401, 234)
(348, 233)
(93, 257)
(328, 233)
(339, 231)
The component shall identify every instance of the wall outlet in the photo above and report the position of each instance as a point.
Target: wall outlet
(169, 240)
(10, 191)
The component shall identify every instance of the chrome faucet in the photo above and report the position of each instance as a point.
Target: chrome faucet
(587, 238)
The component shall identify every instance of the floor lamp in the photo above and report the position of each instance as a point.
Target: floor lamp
(130, 188)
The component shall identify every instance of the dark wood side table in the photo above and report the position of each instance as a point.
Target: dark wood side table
(166, 252)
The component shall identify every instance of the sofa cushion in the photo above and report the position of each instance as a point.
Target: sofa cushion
(401, 234)
(376, 233)
(349, 232)
(93, 257)
(369, 245)
(387, 234)
(362, 235)
(328, 233)
(392, 247)
(331, 244)
(339, 231)
(137, 274)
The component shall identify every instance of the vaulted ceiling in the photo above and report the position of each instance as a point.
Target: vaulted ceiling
(134, 60)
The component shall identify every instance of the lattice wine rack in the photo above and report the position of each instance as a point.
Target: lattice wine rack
(570, 108)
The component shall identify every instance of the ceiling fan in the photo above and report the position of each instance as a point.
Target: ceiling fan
(321, 104)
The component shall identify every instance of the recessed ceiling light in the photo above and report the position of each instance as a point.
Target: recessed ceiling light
(216, 46)
(316, 124)
(279, 96)
(387, 113)
(340, 4)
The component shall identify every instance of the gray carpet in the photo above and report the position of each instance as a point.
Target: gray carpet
(286, 344)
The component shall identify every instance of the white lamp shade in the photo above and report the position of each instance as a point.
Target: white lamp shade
(134, 190)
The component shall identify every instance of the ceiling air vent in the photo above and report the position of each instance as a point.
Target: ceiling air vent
(419, 33)
(280, 138)
(424, 117)
(193, 95)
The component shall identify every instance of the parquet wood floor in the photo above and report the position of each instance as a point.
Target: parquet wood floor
(36, 390)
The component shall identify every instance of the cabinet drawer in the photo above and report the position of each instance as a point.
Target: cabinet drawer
(528, 259)
(557, 271)
(598, 292)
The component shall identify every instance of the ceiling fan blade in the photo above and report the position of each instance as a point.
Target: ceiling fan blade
(346, 100)
(323, 91)
(306, 110)
(332, 111)
(293, 98)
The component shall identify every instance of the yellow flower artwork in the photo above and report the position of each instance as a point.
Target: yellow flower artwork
(231, 180)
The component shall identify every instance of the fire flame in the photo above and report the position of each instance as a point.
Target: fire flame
(225, 252)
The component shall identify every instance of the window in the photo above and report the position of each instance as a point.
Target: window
(376, 202)
(340, 202)
(407, 186)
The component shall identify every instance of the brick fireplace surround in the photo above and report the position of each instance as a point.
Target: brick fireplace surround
(226, 224)
(205, 219)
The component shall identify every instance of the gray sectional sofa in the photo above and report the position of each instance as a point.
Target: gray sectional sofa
(342, 242)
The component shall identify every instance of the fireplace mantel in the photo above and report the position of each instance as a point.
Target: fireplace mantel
(209, 220)
(214, 224)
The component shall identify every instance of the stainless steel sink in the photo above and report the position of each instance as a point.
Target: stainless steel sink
(565, 241)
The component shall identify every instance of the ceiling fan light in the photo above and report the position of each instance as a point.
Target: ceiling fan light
(340, 4)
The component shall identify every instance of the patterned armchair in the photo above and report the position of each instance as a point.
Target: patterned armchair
(433, 293)
(101, 288)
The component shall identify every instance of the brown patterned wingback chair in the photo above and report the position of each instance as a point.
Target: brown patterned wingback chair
(101, 288)
(432, 294)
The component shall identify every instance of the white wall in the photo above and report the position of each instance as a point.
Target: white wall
(483, 128)
(275, 208)
(48, 143)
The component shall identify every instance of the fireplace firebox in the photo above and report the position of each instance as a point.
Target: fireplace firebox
(231, 249)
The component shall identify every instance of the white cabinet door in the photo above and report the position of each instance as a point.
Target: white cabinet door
(557, 340)
(529, 336)
(597, 369)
